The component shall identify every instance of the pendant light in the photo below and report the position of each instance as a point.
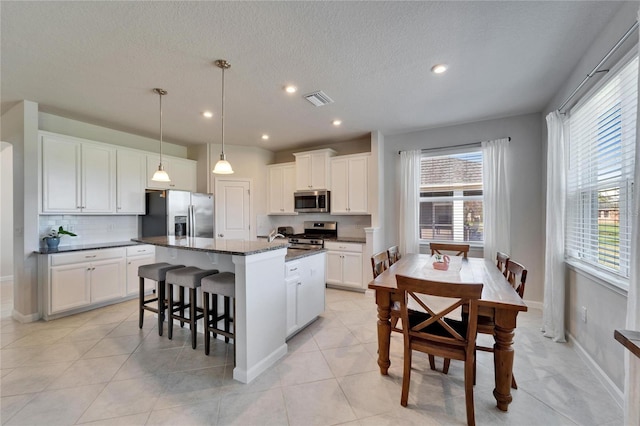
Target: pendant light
(222, 166)
(160, 175)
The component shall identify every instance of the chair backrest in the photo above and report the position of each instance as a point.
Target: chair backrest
(514, 270)
(394, 254)
(433, 333)
(379, 263)
(501, 262)
(459, 249)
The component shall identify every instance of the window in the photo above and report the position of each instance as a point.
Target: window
(451, 197)
(602, 138)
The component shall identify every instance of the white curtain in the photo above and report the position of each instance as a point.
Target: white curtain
(497, 205)
(631, 362)
(554, 285)
(410, 201)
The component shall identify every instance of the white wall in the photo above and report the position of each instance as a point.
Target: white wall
(66, 126)
(20, 129)
(524, 171)
(606, 308)
(6, 211)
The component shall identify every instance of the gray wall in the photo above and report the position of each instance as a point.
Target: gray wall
(606, 307)
(6, 211)
(524, 170)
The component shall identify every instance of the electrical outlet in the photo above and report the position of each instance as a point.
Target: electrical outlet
(584, 314)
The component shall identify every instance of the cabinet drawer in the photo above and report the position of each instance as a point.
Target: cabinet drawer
(292, 269)
(141, 249)
(86, 256)
(336, 246)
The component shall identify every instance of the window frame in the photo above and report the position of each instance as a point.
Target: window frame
(587, 263)
(441, 152)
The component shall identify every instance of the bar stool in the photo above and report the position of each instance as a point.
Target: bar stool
(223, 284)
(156, 272)
(188, 277)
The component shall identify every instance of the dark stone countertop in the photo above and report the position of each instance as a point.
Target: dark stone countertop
(294, 254)
(211, 245)
(81, 247)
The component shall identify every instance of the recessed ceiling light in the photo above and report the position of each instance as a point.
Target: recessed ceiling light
(265, 137)
(336, 122)
(439, 68)
(291, 89)
(207, 114)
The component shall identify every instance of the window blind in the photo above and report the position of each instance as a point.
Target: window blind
(602, 139)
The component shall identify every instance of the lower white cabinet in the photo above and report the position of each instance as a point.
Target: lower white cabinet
(344, 264)
(305, 283)
(136, 257)
(75, 281)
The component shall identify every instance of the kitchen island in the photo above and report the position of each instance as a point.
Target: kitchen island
(260, 322)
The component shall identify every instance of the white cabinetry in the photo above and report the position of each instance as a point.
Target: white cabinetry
(349, 184)
(312, 169)
(305, 283)
(77, 176)
(130, 181)
(182, 173)
(81, 279)
(136, 257)
(281, 188)
(344, 264)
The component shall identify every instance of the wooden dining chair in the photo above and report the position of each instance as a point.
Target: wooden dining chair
(459, 249)
(501, 262)
(379, 263)
(394, 254)
(516, 275)
(434, 334)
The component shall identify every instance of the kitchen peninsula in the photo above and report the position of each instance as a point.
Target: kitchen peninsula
(261, 295)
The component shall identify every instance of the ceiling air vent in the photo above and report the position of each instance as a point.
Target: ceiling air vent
(318, 98)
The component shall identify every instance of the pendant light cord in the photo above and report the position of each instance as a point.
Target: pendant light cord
(160, 128)
(223, 111)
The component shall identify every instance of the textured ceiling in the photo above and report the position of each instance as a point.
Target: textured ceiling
(98, 62)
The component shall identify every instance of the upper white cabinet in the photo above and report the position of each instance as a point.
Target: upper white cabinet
(130, 181)
(77, 176)
(281, 188)
(182, 173)
(349, 190)
(312, 169)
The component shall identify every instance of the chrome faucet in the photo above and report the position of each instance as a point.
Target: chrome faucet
(273, 235)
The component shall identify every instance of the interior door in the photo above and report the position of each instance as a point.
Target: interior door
(233, 209)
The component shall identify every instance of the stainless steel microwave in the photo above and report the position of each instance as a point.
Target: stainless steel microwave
(312, 201)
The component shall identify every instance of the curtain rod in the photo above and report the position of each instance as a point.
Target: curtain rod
(596, 69)
(453, 146)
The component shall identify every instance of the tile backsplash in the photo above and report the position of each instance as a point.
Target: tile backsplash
(91, 229)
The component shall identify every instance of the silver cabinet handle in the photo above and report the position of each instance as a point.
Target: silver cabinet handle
(88, 269)
(221, 235)
(89, 257)
(294, 269)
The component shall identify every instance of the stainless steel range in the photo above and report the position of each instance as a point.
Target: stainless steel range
(314, 235)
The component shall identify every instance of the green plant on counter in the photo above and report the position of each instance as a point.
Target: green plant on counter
(56, 233)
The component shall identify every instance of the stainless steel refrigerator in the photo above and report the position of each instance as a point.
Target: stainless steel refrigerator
(178, 213)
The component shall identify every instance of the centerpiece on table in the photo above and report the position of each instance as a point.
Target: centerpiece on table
(53, 237)
(441, 262)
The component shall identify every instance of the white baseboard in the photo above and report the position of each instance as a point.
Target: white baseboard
(246, 376)
(616, 393)
(534, 304)
(25, 318)
(6, 278)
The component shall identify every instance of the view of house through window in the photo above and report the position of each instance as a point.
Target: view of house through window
(451, 197)
(602, 139)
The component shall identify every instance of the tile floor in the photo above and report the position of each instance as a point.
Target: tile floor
(99, 368)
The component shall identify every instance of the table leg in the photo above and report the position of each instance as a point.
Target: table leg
(505, 321)
(383, 300)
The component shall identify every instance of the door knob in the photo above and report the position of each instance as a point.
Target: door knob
(221, 235)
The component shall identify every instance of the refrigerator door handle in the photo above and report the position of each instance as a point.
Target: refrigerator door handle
(192, 224)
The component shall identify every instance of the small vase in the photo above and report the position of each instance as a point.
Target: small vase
(52, 242)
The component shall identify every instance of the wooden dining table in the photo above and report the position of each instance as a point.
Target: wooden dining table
(499, 300)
